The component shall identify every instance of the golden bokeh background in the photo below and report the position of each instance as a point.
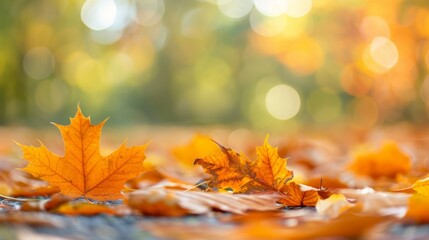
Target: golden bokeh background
(265, 64)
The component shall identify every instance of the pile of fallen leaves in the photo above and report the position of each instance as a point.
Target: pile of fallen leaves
(304, 188)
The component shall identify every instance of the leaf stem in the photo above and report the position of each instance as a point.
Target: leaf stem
(18, 199)
(197, 185)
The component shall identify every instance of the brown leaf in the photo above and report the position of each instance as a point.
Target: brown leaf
(21, 184)
(333, 206)
(388, 161)
(85, 208)
(348, 225)
(156, 178)
(230, 170)
(34, 191)
(370, 201)
(418, 209)
(160, 202)
(297, 197)
(45, 204)
(31, 219)
(324, 182)
(163, 202)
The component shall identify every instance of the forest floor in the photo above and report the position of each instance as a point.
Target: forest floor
(167, 201)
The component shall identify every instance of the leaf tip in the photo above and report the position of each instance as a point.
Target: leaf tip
(224, 149)
(78, 106)
(266, 139)
(197, 161)
(105, 120)
(56, 124)
(79, 112)
(17, 143)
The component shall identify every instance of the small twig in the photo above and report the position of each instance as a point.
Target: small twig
(88, 200)
(19, 199)
(199, 184)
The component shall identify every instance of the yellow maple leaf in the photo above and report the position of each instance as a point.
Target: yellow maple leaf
(422, 187)
(389, 161)
(269, 169)
(230, 170)
(83, 171)
(418, 203)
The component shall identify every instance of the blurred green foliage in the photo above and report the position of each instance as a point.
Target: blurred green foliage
(215, 62)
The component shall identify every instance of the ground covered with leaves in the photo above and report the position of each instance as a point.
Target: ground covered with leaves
(184, 183)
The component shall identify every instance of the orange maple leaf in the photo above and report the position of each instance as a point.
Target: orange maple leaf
(297, 197)
(230, 170)
(199, 146)
(389, 161)
(83, 171)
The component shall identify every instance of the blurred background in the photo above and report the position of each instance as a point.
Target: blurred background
(263, 64)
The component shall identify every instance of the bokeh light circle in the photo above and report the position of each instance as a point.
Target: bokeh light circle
(384, 52)
(298, 8)
(282, 102)
(98, 14)
(149, 12)
(235, 8)
(267, 26)
(271, 8)
(39, 63)
(374, 26)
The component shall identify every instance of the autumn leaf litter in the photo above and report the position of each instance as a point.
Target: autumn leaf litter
(378, 187)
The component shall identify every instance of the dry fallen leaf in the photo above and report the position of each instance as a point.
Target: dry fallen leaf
(200, 146)
(422, 186)
(16, 183)
(230, 170)
(321, 181)
(83, 171)
(384, 203)
(388, 161)
(298, 197)
(48, 204)
(156, 179)
(418, 204)
(164, 202)
(333, 206)
(418, 209)
(85, 208)
(348, 225)
(31, 219)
